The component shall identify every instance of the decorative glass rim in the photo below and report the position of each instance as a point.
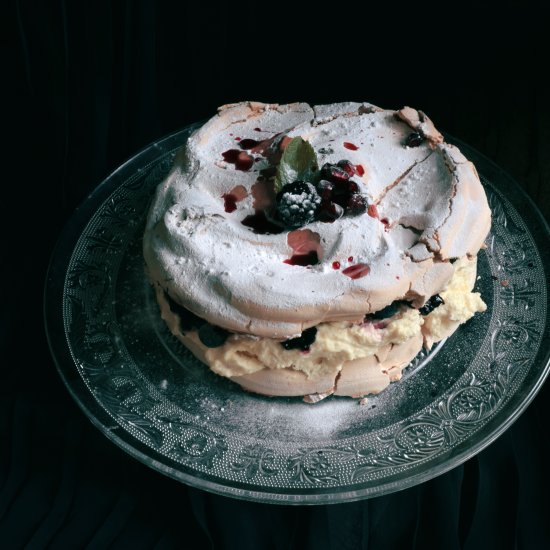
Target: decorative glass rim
(350, 472)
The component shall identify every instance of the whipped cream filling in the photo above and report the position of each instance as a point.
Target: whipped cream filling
(336, 343)
(430, 204)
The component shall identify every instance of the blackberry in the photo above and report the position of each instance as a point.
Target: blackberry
(431, 304)
(303, 342)
(297, 204)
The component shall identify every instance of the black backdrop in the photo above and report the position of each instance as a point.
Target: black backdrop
(90, 83)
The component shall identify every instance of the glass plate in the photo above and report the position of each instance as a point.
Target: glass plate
(148, 394)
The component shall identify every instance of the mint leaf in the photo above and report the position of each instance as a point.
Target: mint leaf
(298, 162)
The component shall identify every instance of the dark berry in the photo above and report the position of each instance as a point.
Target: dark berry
(347, 166)
(353, 187)
(212, 336)
(334, 173)
(431, 304)
(303, 342)
(341, 194)
(324, 188)
(388, 311)
(297, 204)
(414, 140)
(188, 320)
(329, 212)
(357, 204)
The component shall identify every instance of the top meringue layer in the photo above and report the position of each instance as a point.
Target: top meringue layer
(430, 198)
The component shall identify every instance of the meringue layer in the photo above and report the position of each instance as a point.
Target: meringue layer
(430, 205)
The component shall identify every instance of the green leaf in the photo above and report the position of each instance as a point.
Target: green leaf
(298, 162)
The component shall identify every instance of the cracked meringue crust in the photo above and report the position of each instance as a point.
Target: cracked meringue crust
(430, 209)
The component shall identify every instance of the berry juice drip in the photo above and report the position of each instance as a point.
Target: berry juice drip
(310, 258)
(259, 223)
(356, 271)
(248, 143)
(229, 202)
(242, 160)
(350, 146)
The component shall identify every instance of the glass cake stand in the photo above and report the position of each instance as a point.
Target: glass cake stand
(152, 398)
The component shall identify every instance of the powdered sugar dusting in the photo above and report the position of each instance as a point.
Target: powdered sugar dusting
(191, 241)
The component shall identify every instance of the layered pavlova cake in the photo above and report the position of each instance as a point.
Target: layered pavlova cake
(311, 251)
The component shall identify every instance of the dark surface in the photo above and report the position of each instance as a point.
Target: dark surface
(88, 86)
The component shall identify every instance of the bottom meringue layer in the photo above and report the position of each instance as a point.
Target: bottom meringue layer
(345, 359)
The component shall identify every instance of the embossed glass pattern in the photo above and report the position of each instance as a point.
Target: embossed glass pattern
(148, 394)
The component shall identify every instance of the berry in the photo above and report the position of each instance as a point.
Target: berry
(414, 140)
(325, 188)
(297, 204)
(188, 320)
(341, 194)
(357, 204)
(303, 342)
(388, 311)
(334, 173)
(353, 187)
(329, 212)
(212, 336)
(347, 166)
(431, 304)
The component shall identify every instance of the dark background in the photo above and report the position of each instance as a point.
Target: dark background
(90, 83)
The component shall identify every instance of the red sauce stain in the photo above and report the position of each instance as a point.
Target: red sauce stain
(231, 155)
(242, 161)
(359, 169)
(350, 146)
(335, 265)
(386, 222)
(261, 225)
(229, 202)
(310, 258)
(372, 211)
(257, 129)
(237, 139)
(356, 271)
(248, 143)
(398, 277)
(350, 259)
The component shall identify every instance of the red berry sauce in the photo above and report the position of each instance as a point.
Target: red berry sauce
(248, 143)
(242, 161)
(356, 271)
(335, 265)
(372, 211)
(359, 169)
(229, 202)
(310, 258)
(261, 225)
(350, 146)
